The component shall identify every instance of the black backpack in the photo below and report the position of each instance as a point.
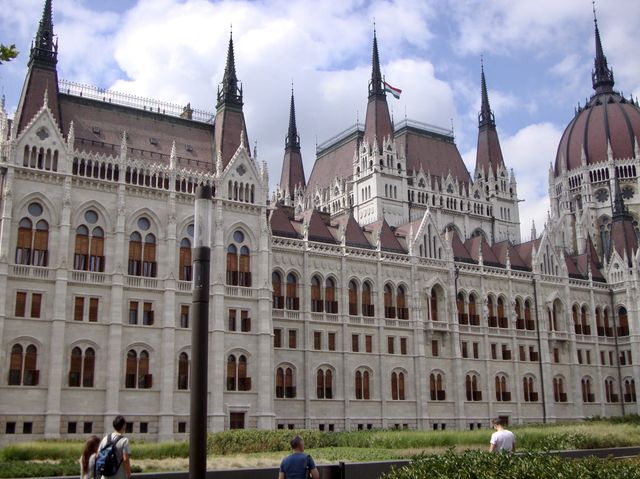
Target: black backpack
(107, 462)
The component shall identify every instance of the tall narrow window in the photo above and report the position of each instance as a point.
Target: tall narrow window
(316, 295)
(185, 260)
(367, 300)
(397, 386)
(292, 300)
(277, 295)
(144, 376)
(25, 241)
(433, 304)
(36, 304)
(324, 384)
(238, 261)
(353, 298)
(358, 385)
(389, 309)
(231, 372)
(41, 244)
(244, 277)
(623, 322)
(149, 256)
(245, 321)
(31, 375)
(137, 370)
(183, 371)
(280, 383)
(15, 365)
(88, 365)
(21, 304)
(401, 301)
(81, 367)
(133, 312)
(436, 387)
(289, 385)
(147, 314)
(330, 303)
(474, 317)
(135, 254)
(93, 309)
(75, 369)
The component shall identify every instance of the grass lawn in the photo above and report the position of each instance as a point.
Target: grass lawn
(252, 448)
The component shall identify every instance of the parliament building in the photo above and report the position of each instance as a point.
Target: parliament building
(389, 288)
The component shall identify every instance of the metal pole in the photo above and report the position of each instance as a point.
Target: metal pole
(200, 334)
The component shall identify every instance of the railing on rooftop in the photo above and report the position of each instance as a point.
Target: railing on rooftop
(133, 101)
(340, 136)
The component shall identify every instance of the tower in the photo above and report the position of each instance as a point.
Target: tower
(292, 179)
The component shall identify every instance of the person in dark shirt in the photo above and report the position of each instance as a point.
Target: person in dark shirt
(298, 465)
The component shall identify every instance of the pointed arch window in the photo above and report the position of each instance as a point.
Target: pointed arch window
(183, 371)
(292, 300)
(436, 387)
(367, 300)
(185, 266)
(32, 247)
(397, 386)
(502, 389)
(389, 309)
(474, 317)
(238, 261)
(528, 321)
(587, 395)
(137, 370)
(530, 395)
(142, 254)
(491, 314)
(401, 302)
(502, 317)
(324, 384)
(463, 318)
(559, 394)
(623, 322)
(277, 295)
(630, 390)
(316, 295)
(237, 373)
(330, 303)
(285, 385)
(81, 368)
(23, 366)
(610, 391)
(89, 249)
(434, 303)
(362, 390)
(353, 298)
(471, 387)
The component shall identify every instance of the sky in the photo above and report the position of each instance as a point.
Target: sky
(538, 56)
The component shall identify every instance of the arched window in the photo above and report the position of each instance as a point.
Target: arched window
(185, 260)
(353, 298)
(491, 314)
(528, 321)
(608, 329)
(559, 395)
(238, 265)
(623, 322)
(389, 309)
(599, 325)
(142, 254)
(362, 384)
(285, 385)
(609, 391)
(397, 386)
(183, 371)
(81, 367)
(277, 295)
(237, 374)
(316, 294)
(434, 304)
(463, 318)
(89, 244)
(528, 389)
(471, 388)
(330, 303)
(502, 390)
(292, 300)
(576, 320)
(401, 301)
(33, 243)
(15, 365)
(436, 387)
(324, 384)
(367, 300)
(555, 313)
(584, 321)
(137, 370)
(630, 390)
(474, 317)
(587, 395)
(502, 317)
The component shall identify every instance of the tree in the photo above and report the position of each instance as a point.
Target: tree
(7, 53)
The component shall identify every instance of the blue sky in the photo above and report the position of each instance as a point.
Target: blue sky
(538, 55)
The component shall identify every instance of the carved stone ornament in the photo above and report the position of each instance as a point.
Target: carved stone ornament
(42, 133)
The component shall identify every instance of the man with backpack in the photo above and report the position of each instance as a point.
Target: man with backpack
(298, 465)
(112, 459)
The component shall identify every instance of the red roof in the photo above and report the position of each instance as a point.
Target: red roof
(281, 222)
(460, 251)
(388, 240)
(474, 245)
(378, 121)
(489, 153)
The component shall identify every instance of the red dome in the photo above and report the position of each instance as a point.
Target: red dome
(608, 117)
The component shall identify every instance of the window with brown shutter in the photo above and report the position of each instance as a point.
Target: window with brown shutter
(353, 298)
(368, 343)
(75, 368)
(147, 314)
(36, 301)
(390, 344)
(23, 246)
(355, 343)
(30, 376)
(320, 384)
(293, 338)
(358, 385)
(328, 384)
(292, 300)
(463, 349)
(279, 383)
(433, 302)
(245, 321)
(144, 378)
(184, 273)
(135, 254)
(131, 369)
(78, 309)
(41, 244)
(365, 385)
(476, 350)
(81, 253)
(332, 341)
(232, 265)
(331, 305)
(316, 295)
(277, 338)
(96, 259)
(244, 382)
(149, 256)
(403, 346)
(244, 278)
(403, 311)
(183, 371)
(93, 309)
(389, 310)
(232, 320)
(289, 387)
(133, 312)
(21, 303)
(394, 386)
(184, 316)
(435, 350)
(401, 395)
(88, 366)
(367, 306)
(231, 373)
(15, 366)
(317, 340)
(276, 284)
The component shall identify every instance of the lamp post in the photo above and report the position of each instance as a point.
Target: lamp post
(200, 334)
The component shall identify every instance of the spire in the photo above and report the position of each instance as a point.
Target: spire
(623, 236)
(488, 153)
(602, 75)
(229, 93)
(486, 117)
(43, 49)
(293, 140)
(619, 208)
(377, 125)
(375, 85)
(292, 176)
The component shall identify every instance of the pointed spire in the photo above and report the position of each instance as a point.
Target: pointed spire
(44, 50)
(619, 208)
(292, 141)
(375, 85)
(602, 75)
(230, 93)
(486, 116)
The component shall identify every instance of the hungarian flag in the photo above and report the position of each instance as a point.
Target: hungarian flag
(393, 90)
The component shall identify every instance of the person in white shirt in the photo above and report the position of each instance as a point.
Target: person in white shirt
(502, 440)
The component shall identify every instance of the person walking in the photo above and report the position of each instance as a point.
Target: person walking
(298, 465)
(121, 444)
(88, 458)
(502, 440)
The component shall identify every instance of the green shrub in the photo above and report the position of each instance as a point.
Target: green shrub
(483, 465)
(255, 440)
(21, 468)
